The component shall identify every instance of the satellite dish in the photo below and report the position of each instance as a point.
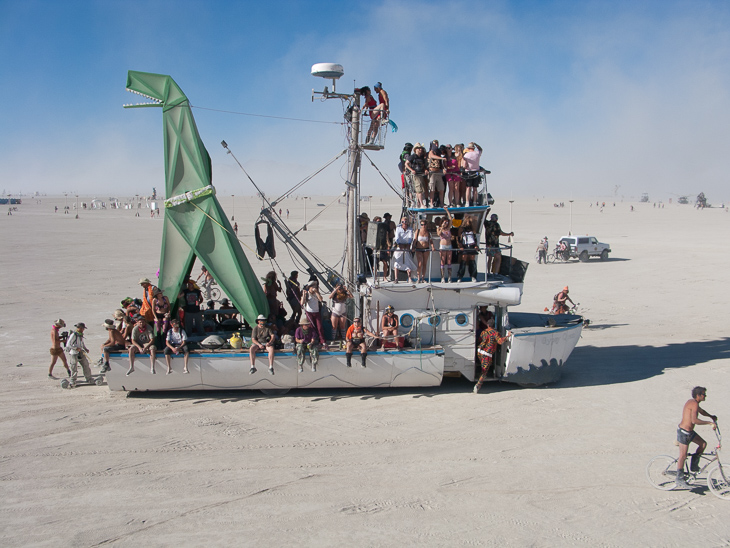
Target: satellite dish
(332, 71)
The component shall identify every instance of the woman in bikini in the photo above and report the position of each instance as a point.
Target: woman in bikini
(453, 175)
(339, 298)
(389, 324)
(422, 245)
(161, 309)
(445, 247)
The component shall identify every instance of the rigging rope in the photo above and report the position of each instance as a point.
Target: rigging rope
(267, 116)
(383, 176)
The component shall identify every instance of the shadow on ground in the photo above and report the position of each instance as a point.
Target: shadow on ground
(587, 366)
(591, 365)
(449, 385)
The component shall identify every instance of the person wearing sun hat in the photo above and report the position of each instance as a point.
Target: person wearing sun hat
(77, 351)
(262, 338)
(148, 295)
(306, 338)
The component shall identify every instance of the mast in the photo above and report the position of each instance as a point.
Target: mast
(353, 261)
(353, 197)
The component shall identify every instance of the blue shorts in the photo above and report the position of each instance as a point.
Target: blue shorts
(684, 437)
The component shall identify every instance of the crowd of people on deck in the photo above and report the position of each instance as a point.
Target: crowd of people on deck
(147, 326)
(443, 173)
(411, 246)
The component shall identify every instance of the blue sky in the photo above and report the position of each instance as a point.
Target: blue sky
(567, 98)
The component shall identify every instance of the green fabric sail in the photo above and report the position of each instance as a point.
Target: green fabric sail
(195, 225)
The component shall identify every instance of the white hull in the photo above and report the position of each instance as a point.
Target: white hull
(536, 354)
(230, 371)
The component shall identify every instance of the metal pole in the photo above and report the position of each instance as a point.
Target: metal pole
(570, 232)
(304, 228)
(353, 198)
(77, 206)
(510, 216)
(233, 207)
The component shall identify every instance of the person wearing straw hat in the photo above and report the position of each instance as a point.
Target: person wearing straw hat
(148, 295)
(143, 341)
(77, 351)
(262, 338)
(56, 348)
(306, 338)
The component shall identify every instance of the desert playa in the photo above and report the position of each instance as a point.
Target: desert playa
(550, 466)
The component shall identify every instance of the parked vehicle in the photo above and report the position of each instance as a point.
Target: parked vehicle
(584, 247)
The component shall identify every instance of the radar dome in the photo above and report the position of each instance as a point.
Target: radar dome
(328, 70)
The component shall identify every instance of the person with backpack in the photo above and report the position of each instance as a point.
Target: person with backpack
(77, 352)
(559, 302)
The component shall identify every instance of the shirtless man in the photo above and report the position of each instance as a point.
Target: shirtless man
(143, 341)
(207, 281)
(115, 343)
(56, 349)
(686, 433)
(560, 305)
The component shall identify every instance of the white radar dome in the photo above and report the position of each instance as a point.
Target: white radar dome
(328, 70)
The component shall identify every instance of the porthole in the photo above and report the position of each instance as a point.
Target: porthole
(434, 321)
(406, 320)
(462, 319)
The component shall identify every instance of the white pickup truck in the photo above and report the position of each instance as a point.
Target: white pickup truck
(584, 247)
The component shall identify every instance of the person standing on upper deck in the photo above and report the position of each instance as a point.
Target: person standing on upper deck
(416, 165)
(472, 156)
(436, 185)
(492, 232)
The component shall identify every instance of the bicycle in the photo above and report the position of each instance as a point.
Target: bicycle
(662, 471)
(215, 292)
(559, 255)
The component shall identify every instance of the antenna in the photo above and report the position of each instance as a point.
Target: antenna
(331, 71)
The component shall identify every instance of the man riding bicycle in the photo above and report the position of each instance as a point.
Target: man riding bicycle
(686, 434)
(562, 251)
(559, 304)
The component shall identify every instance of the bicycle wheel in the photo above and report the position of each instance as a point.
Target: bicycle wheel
(215, 294)
(662, 472)
(718, 480)
(551, 258)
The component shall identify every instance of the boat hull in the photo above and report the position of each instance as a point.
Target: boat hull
(230, 371)
(538, 350)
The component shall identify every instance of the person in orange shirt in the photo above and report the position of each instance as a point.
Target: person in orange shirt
(355, 337)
